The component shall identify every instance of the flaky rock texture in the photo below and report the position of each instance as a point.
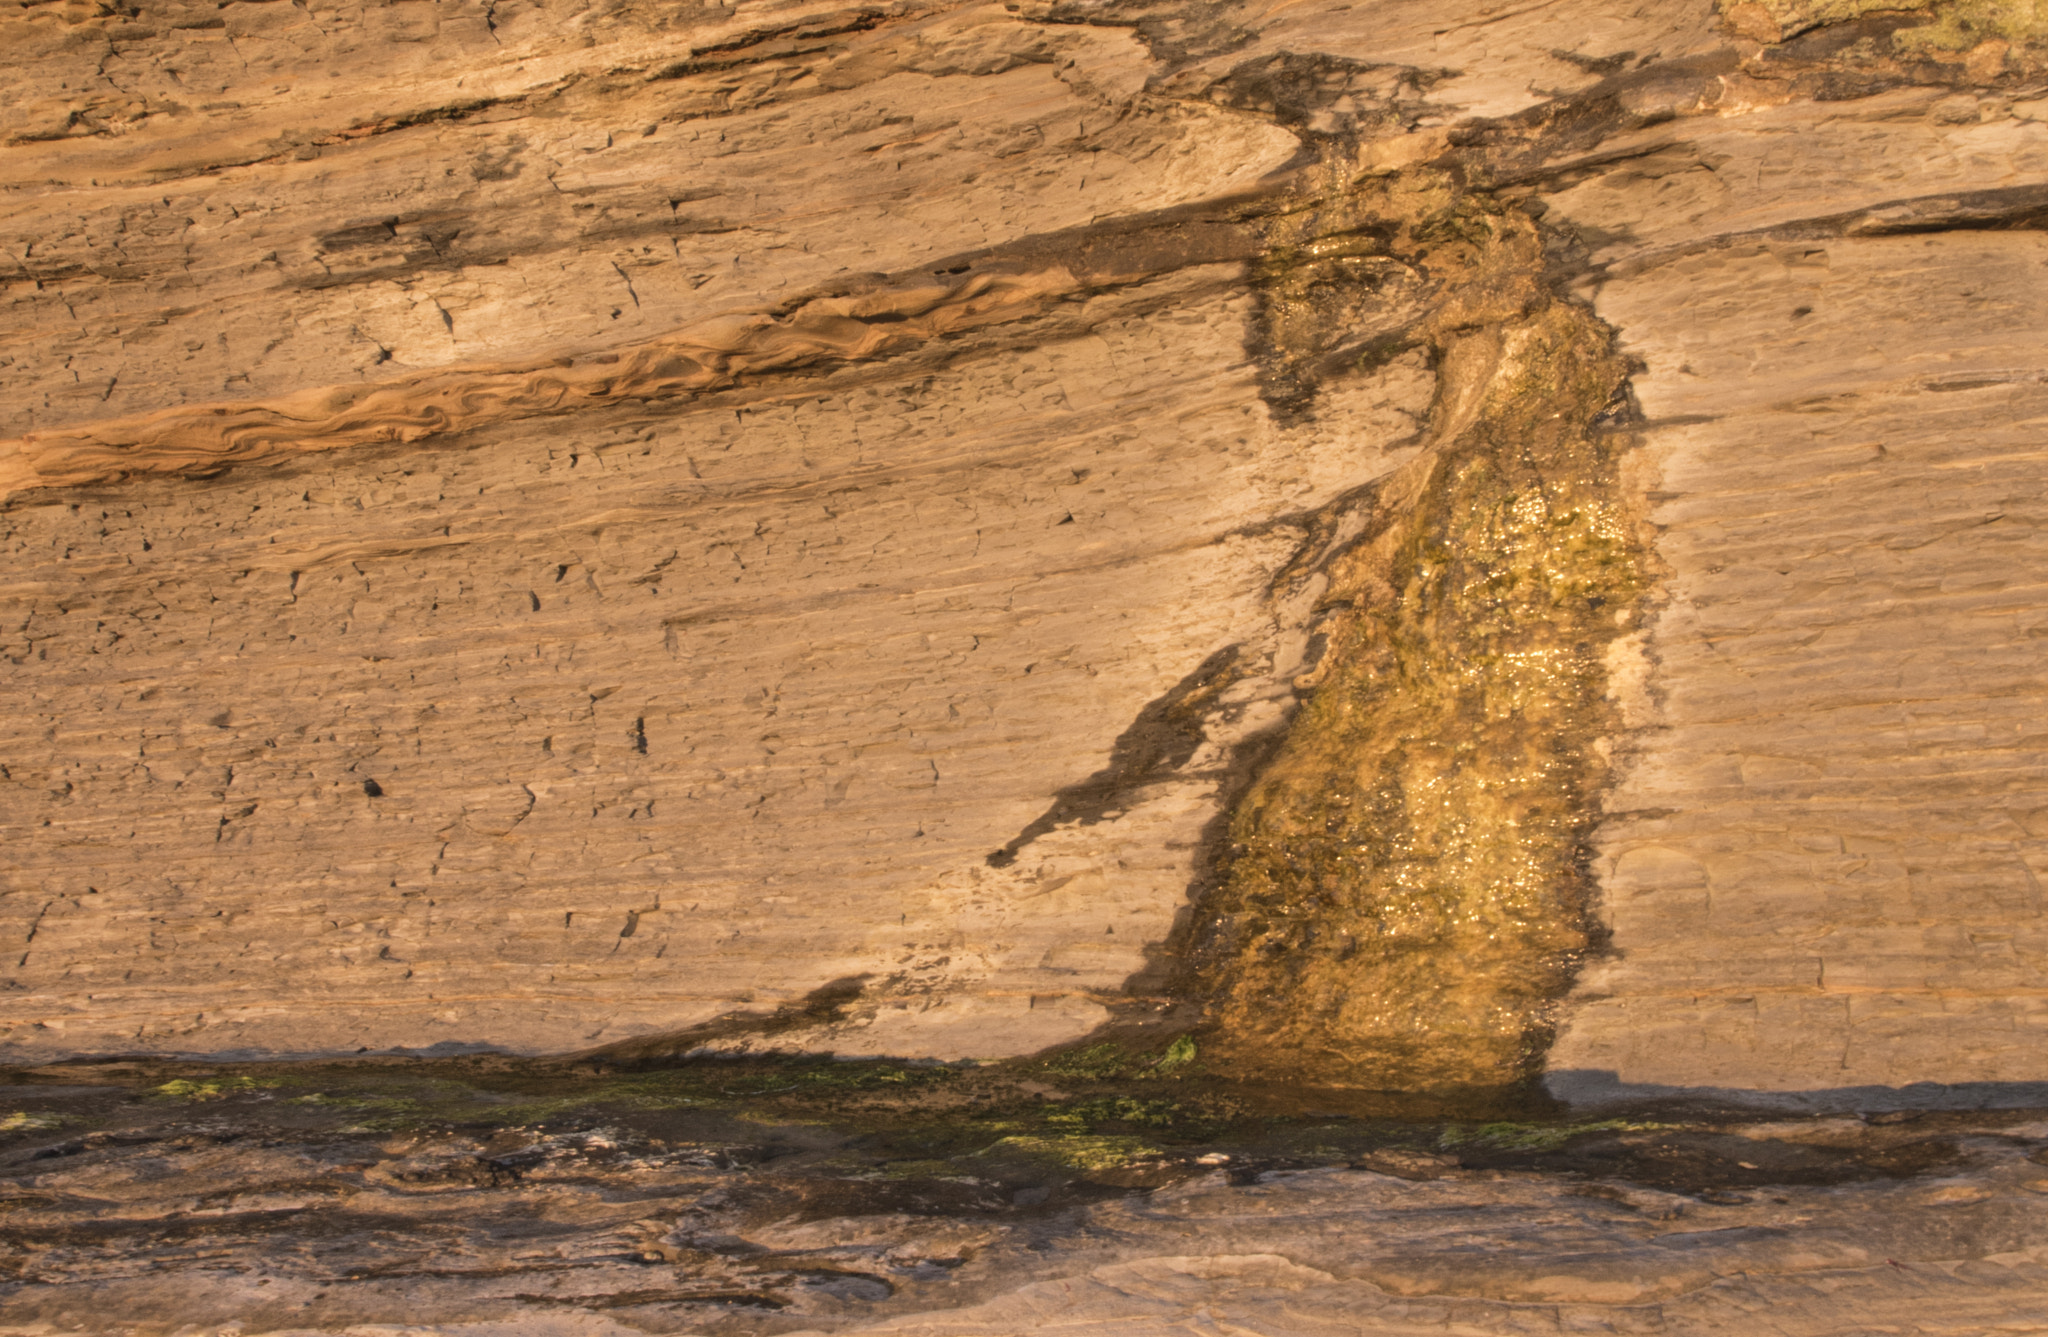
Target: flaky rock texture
(545, 526)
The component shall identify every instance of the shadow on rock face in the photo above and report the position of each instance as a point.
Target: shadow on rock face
(1160, 741)
(821, 1006)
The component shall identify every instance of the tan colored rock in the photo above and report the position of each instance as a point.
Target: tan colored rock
(1833, 879)
(550, 527)
(537, 528)
(676, 718)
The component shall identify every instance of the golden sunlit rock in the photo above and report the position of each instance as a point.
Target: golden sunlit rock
(776, 667)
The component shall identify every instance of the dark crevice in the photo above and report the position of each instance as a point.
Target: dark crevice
(2000, 209)
(1176, 33)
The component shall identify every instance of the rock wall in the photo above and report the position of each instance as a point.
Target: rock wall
(539, 526)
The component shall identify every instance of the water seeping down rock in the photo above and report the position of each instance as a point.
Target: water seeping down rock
(1408, 890)
(1252, 570)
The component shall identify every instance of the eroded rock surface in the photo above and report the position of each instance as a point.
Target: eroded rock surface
(541, 528)
(479, 1196)
(1347, 569)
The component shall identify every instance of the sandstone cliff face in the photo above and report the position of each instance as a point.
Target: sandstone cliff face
(541, 526)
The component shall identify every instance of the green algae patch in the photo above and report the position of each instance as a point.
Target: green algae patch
(1178, 1055)
(27, 1121)
(922, 1169)
(387, 1100)
(212, 1088)
(1406, 893)
(1186, 1119)
(1097, 1062)
(830, 1077)
(1966, 24)
(1078, 1152)
(1112, 1060)
(1537, 1137)
(769, 1091)
(1121, 1062)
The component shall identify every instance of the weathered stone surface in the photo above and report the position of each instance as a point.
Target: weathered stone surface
(290, 1204)
(535, 527)
(675, 715)
(1414, 546)
(258, 201)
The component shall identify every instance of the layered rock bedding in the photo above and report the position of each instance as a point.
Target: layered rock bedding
(1438, 564)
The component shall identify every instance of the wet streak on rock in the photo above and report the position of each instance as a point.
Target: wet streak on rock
(1399, 926)
(1406, 893)
(1400, 895)
(1354, 274)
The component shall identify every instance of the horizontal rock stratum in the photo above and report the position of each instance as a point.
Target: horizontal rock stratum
(1427, 544)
